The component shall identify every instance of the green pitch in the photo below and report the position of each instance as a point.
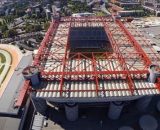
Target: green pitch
(2, 62)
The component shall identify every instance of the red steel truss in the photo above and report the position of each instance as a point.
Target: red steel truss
(128, 61)
(42, 50)
(134, 43)
(43, 47)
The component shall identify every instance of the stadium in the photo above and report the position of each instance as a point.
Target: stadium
(92, 60)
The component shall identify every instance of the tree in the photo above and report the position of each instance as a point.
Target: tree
(4, 22)
(37, 28)
(4, 28)
(33, 16)
(33, 28)
(29, 28)
(46, 25)
(39, 38)
(0, 23)
(11, 33)
(77, 7)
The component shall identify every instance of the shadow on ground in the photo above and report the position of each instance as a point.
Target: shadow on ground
(95, 118)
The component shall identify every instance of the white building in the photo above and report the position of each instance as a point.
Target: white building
(152, 5)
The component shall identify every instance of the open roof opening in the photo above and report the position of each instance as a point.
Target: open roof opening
(89, 39)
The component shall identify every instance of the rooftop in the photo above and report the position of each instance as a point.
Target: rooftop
(97, 76)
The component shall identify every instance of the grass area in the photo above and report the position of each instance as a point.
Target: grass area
(1, 69)
(2, 58)
(100, 14)
(1, 19)
(2, 66)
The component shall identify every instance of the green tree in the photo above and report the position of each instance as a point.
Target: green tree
(29, 28)
(11, 33)
(4, 22)
(4, 28)
(37, 28)
(33, 28)
(46, 25)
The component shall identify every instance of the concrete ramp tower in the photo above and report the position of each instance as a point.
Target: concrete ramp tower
(154, 71)
(32, 73)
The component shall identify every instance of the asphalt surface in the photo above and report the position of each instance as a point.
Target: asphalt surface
(9, 123)
(15, 83)
(9, 96)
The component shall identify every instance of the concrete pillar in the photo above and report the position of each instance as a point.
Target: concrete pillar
(148, 122)
(158, 106)
(153, 73)
(115, 109)
(125, 128)
(143, 103)
(71, 111)
(32, 73)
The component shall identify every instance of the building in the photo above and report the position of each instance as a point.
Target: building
(2, 11)
(29, 11)
(127, 3)
(128, 13)
(57, 4)
(48, 6)
(153, 6)
(130, 4)
(92, 60)
(54, 9)
(37, 11)
(127, 7)
(7, 12)
(12, 11)
(48, 13)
